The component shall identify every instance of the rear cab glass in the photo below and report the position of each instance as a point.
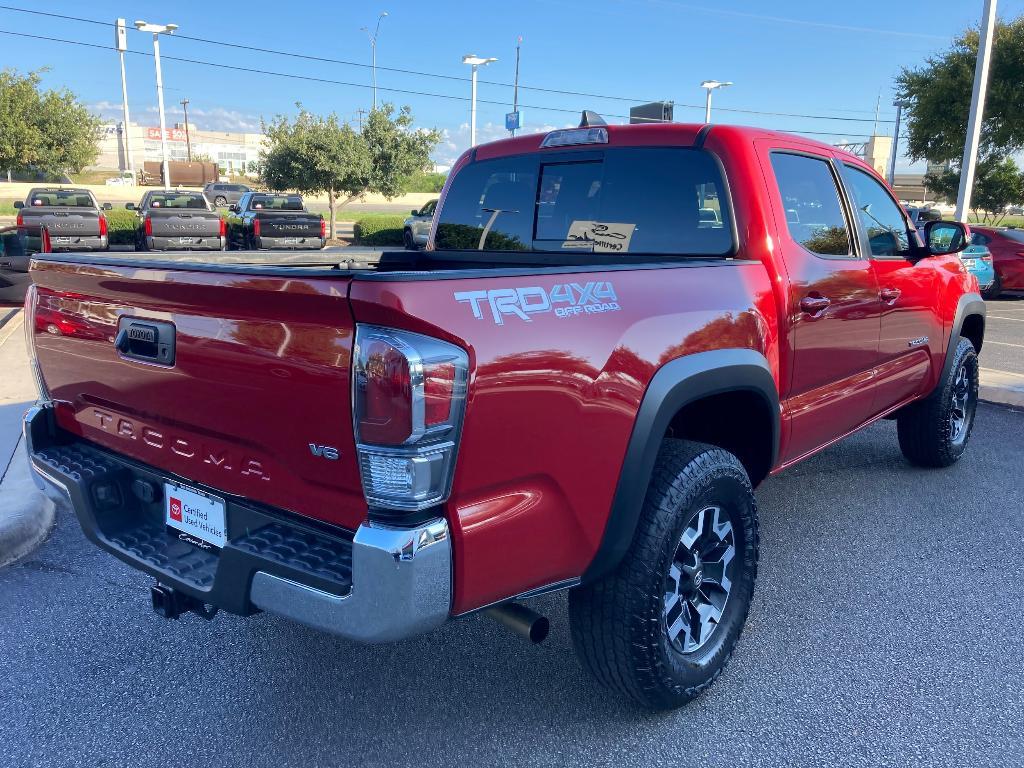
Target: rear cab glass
(172, 200)
(637, 201)
(276, 203)
(62, 199)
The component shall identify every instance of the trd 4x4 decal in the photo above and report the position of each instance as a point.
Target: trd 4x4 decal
(564, 300)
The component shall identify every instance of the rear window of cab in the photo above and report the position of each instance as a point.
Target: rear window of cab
(658, 201)
(62, 198)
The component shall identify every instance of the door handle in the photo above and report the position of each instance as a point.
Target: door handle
(889, 295)
(812, 305)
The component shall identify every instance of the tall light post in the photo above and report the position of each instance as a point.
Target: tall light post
(474, 61)
(373, 53)
(711, 85)
(188, 139)
(121, 43)
(970, 159)
(157, 30)
(896, 139)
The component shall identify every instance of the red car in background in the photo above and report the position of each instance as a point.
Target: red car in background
(1007, 247)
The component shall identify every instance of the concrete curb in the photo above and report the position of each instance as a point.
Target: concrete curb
(1002, 387)
(26, 515)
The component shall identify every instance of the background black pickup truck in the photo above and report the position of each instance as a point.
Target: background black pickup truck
(14, 260)
(177, 221)
(73, 218)
(265, 220)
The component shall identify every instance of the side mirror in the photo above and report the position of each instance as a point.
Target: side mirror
(19, 204)
(129, 206)
(415, 212)
(233, 207)
(108, 207)
(944, 237)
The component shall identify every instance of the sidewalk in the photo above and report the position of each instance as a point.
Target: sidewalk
(1002, 387)
(26, 515)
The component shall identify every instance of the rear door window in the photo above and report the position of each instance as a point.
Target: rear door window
(635, 201)
(880, 216)
(810, 197)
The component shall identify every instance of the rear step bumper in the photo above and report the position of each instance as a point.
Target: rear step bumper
(382, 584)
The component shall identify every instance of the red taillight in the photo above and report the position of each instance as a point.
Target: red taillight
(147, 226)
(408, 399)
(103, 225)
(386, 417)
(323, 228)
(438, 387)
(20, 220)
(47, 244)
(255, 227)
(223, 228)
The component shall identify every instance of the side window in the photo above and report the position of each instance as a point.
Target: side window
(814, 213)
(879, 214)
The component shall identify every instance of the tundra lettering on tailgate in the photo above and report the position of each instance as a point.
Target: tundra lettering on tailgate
(565, 300)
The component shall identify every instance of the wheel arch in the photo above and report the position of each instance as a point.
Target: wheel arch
(706, 396)
(968, 323)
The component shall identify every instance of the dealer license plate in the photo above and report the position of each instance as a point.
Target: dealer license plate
(195, 517)
(969, 262)
(291, 240)
(186, 240)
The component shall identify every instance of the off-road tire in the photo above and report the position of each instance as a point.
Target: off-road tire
(926, 432)
(618, 623)
(993, 290)
(407, 241)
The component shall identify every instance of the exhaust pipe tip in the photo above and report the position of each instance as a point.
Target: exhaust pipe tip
(523, 621)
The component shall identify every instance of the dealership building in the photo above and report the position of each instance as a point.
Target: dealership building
(234, 153)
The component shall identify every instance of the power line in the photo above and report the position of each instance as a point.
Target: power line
(419, 73)
(329, 81)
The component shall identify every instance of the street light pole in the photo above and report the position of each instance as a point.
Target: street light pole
(474, 61)
(373, 54)
(895, 140)
(970, 158)
(188, 140)
(709, 86)
(157, 30)
(121, 39)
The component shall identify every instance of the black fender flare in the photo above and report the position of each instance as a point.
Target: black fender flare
(676, 384)
(969, 304)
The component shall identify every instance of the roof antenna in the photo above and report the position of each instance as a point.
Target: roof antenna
(590, 119)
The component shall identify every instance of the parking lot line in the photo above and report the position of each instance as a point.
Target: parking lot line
(1004, 343)
(1003, 317)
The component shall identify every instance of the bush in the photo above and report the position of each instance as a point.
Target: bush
(381, 230)
(424, 182)
(121, 225)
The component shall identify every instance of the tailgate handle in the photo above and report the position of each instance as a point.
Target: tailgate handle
(149, 341)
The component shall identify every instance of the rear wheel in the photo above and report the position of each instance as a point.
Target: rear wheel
(410, 244)
(934, 432)
(220, 201)
(661, 627)
(993, 291)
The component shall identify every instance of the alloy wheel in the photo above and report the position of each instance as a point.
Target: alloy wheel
(699, 580)
(959, 412)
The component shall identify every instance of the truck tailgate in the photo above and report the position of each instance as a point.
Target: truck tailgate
(260, 374)
(289, 224)
(184, 224)
(63, 223)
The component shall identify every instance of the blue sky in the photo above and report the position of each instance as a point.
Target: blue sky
(811, 58)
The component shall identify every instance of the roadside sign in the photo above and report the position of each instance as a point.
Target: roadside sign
(513, 121)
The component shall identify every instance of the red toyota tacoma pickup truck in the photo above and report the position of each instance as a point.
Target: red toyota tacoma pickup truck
(615, 334)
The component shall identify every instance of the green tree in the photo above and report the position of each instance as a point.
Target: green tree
(321, 155)
(939, 97)
(47, 131)
(315, 155)
(998, 183)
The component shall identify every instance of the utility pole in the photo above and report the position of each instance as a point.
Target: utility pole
(359, 116)
(121, 41)
(373, 53)
(895, 140)
(515, 85)
(970, 159)
(188, 141)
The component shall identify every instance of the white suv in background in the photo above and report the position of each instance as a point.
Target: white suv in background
(416, 229)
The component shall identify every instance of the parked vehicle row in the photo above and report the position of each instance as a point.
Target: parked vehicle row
(177, 221)
(264, 220)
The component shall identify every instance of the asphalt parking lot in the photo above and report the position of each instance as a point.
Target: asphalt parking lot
(1004, 334)
(885, 629)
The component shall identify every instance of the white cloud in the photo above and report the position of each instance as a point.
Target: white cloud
(215, 119)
